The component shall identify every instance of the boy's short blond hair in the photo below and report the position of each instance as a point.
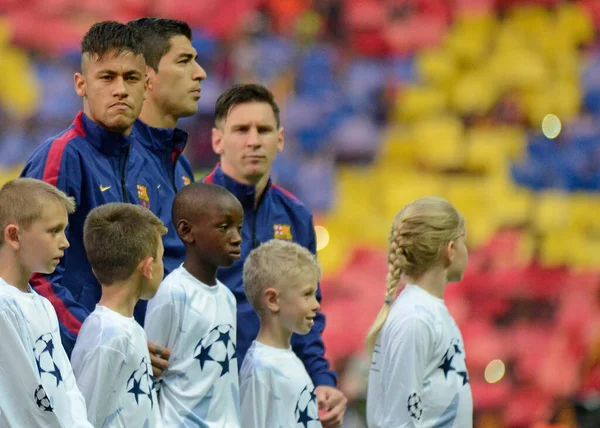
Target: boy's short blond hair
(277, 264)
(22, 202)
(117, 237)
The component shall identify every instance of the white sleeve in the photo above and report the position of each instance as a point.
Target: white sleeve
(255, 403)
(97, 374)
(19, 379)
(407, 355)
(162, 324)
(162, 321)
(76, 401)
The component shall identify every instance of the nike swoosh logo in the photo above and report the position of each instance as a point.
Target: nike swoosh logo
(104, 189)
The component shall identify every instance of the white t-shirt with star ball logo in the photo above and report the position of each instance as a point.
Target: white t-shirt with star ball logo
(197, 322)
(418, 375)
(113, 371)
(37, 385)
(276, 390)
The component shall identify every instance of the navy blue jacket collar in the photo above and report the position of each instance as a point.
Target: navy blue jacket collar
(160, 139)
(244, 192)
(107, 142)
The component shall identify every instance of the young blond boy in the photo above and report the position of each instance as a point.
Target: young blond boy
(280, 278)
(37, 386)
(110, 358)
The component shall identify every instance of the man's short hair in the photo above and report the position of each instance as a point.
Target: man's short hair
(156, 34)
(277, 264)
(111, 37)
(22, 202)
(117, 237)
(241, 94)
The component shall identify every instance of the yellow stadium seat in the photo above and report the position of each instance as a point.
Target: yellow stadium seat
(9, 174)
(417, 102)
(518, 68)
(474, 93)
(574, 23)
(585, 208)
(554, 250)
(552, 212)
(567, 100)
(468, 194)
(470, 38)
(409, 188)
(438, 67)
(510, 205)
(398, 147)
(440, 142)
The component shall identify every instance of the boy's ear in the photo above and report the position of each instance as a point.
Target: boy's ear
(11, 236)
(184, 230)
(271, 299)
(146, 267)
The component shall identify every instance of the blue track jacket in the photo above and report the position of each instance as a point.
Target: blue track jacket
(96, 167)
(279, 215)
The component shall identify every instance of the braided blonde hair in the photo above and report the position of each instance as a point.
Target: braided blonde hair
(419, 232)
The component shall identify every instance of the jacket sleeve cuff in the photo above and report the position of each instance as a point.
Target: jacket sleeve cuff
(325, 379)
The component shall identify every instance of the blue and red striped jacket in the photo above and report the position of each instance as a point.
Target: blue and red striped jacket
(96, 166)
(279, 214)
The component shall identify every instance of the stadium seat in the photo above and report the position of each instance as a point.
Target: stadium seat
(440, 142)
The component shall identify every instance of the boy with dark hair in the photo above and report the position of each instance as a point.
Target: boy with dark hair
(37, 386)
(194, 314)
(110, 359)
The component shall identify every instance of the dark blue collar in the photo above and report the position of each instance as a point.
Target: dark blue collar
(245, 193)
(107, 142)
(160, 139)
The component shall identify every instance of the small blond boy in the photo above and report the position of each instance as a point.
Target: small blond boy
(280, 280)
(37, 386)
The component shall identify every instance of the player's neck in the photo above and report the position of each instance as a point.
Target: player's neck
(151, 115)
(13, 272)
(433, 281)
(272, 334)
(121, 297)
(259, 185)
(202, 271)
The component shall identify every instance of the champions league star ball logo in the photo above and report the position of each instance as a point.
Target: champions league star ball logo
(415, 406)
(140, 382)
(217, 347)
(307, 409)
(42, 400)
(43, 350)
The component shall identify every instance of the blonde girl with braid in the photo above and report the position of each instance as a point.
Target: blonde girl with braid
(418, 375)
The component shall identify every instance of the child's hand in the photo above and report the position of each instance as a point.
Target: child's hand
(159, 357)
(332, 405)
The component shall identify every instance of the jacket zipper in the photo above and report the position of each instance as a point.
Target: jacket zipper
(122, 167)
(171, 168)
(255, 242)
